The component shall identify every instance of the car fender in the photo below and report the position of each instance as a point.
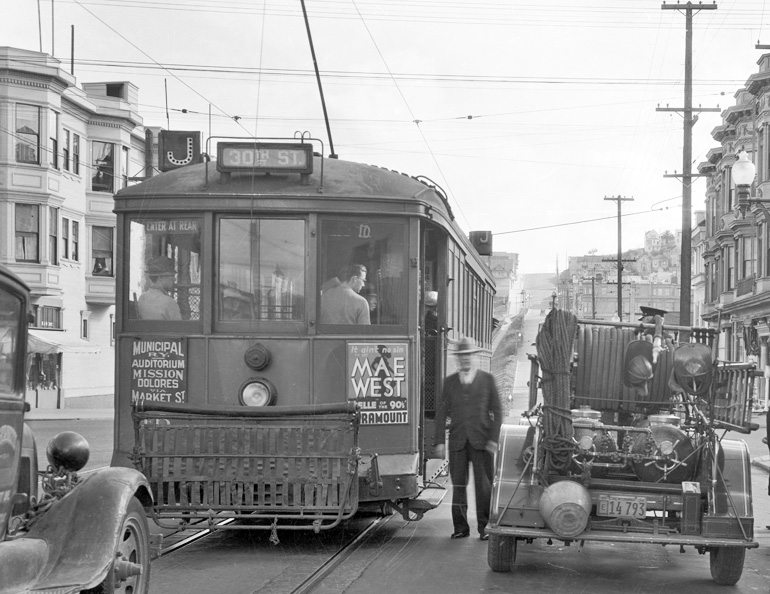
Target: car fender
(81, 530)
(515, 492)
(732, 489)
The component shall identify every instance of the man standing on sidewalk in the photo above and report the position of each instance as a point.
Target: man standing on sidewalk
(471, 401)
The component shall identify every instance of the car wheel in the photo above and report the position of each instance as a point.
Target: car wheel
(501, 552)
(130, 569)
(727, 565)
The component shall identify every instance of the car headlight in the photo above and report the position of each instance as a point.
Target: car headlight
(257, 392)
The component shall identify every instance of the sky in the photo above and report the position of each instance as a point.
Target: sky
(529, 115)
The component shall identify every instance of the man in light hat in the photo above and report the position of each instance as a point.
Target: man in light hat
(431, 316)
(156, 302)
(471, 401)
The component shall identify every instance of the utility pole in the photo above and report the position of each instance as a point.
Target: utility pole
(593, 292)
(619, 200)
(685, 293)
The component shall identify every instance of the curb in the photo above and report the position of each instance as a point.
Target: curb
(68, 414)
(762, 462)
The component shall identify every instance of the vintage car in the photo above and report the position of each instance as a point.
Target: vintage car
(59, 531)
(625, 442)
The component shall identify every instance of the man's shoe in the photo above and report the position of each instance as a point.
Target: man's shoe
(460, 534)
(483, 536)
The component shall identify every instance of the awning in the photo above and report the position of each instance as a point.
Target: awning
(47, 343)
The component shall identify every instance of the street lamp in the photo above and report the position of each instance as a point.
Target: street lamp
(743, 172)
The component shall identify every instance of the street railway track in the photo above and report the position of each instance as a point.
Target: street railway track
(311, 580)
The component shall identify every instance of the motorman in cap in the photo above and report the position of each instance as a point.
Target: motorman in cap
(156, 302)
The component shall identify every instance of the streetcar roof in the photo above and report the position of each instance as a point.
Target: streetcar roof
(340, 179)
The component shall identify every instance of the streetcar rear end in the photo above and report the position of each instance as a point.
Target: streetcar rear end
(245, 400)
(627, 444)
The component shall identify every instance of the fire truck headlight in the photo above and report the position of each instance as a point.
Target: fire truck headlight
(257, 392)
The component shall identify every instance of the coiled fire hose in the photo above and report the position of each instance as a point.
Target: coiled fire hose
(554, 351)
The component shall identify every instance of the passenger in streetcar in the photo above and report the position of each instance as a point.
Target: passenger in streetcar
(431, 316)
(342, 304)
(156, 302)
(471, 400)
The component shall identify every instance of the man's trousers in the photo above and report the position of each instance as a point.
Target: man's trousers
(482, 478)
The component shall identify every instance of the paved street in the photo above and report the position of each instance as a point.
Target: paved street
(396, 561)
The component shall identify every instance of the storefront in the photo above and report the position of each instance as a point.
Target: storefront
(47, 352)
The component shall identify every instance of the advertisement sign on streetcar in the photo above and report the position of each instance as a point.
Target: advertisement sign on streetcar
(378, 382)
(159, 370)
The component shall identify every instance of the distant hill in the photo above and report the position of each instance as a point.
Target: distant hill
(539, 281)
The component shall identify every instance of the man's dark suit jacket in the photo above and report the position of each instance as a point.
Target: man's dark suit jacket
(476, 418)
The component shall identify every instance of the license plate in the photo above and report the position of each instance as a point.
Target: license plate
(618, 506)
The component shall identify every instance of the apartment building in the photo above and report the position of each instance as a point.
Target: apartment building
(732, 249)
(64, 150)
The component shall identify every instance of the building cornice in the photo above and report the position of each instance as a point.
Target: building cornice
(758, 82)
(31, 80)
(118, 124)
(736, 113)
(723, 132)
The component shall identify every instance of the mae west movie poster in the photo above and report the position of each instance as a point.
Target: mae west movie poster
(378, 381)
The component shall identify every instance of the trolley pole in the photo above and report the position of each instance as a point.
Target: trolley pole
(619, 200)
(685, 293)
(332, 154)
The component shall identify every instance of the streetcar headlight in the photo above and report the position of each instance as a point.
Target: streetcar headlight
(257, 392)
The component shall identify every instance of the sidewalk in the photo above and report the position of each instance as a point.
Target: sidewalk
(60, 414)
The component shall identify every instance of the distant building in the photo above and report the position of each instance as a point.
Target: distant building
(509, 298)
(650, 277)
(652, 241)
(69, 149)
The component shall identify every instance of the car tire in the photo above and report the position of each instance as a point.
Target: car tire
(727, 564)
(501, 552)
(133, 546)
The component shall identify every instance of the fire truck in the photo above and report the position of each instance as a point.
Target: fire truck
(625, 441)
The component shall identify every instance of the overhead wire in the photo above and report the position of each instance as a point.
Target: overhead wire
(415, 119)
(405, 76)
(144, 53)
(362, 10)
(484, 14)
(568, 224)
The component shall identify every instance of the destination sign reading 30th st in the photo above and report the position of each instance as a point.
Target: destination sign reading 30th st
(264, 157)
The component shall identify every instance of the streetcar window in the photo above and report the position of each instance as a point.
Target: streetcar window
(261, 269)
(165, 268)
(10, 318)
(372, 251)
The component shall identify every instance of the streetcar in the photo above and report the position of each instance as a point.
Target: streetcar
(60, 531)
(238, 397)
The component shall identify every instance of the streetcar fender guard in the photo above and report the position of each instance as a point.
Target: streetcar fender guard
(74, 542)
